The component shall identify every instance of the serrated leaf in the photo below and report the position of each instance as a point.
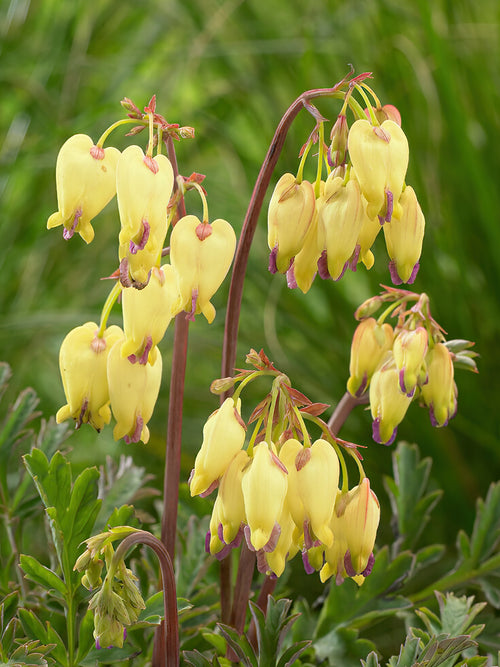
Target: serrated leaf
(42, 575)
(8, 635)
(371, 660)
(197, 659)
(59, 652)
(32, 625)
(8, 608)
(410, 507)
(407, 655)
(216, 640)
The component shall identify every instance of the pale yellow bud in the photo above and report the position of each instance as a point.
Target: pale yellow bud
(290, 214)
(409, 350)
(223, 437)
(388, 403)
(403, 237)
(133, 389)
(264, 486)
(439, 392)
(318, 479)
(232, 504)
(370, 344)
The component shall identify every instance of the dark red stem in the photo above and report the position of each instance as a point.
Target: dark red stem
(343, 410)
(166, 651)
(241, 593)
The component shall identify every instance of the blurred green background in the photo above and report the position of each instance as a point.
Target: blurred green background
(230, 68)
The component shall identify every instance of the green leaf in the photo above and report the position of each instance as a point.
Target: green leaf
(486, 531)
(407, 655)
(216, 640)
(110, 655)
(355, 606)
(8, 635)
(342, 646)
(491, 590)
(292, 653)
(8, 609)
(406, 492)
(42, 575)
(371, 660)
(17, 418)
(32, 625)
(240, 645)
(85, 636)
(197, 659)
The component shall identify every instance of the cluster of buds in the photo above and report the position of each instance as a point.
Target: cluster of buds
(331, 225)
(115, 368)
(117, 602)
(284, 494)
(412, 360)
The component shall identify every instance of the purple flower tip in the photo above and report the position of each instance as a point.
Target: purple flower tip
(350, 571)
(307, 565)
(376, 433)
(290, 278)
(135, 247)
(272, 260)
(396, 280)
(353, 262)
(390, 205)
(411, 279)
(323, 272)
(369, 566)
(208, 537)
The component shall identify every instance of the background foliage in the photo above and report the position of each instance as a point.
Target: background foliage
(230, 68)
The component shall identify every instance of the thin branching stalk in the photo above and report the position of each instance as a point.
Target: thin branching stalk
(241, 594)
(166, 652)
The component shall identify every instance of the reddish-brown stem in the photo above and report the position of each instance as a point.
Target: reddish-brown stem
(234, 306)
(166, 652)
(176, 399)
(174, 425)
(344, 407)
(242, 587)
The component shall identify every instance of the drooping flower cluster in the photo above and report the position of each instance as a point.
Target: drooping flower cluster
(122, 368)
(410, 361)
(117, 602)
(284, 494)
(331, 225)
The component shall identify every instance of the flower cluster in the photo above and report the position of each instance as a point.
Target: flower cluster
(331, 225)
(284, 493)
(117, 602)
(122, 367)
(410, 361)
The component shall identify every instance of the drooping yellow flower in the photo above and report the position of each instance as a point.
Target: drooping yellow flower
(409, 350)
(223, 437)
(201, 254)
(147, 313)
(143, 188)
(354, 524)
(341, 216)
(83, 361)
(264, 486)
(288, 454)
(318, 479)
(440, 392)
(290, 214)
(379, 155)
(388, 403)
(305, 265)
(403, 237)
(286, 548)
(370, 344)
(232, 504)
(86, 182)
(133, 390)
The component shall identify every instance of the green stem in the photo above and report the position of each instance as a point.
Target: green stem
(119, 123)
(321, 142)
(303, 158)
(457, 578)
(369, 106)
(108, 305)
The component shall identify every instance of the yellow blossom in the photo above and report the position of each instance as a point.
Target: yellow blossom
(83, 361)
(370, 344)
(388, 403)
(86, 182)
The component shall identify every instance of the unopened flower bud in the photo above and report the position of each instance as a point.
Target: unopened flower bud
(290, 215)
(223, 437)
(387, 402)
(264, 486)
(338, 146)
(403, 237)
(409, 349)
(370, 344)
(439, 392)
